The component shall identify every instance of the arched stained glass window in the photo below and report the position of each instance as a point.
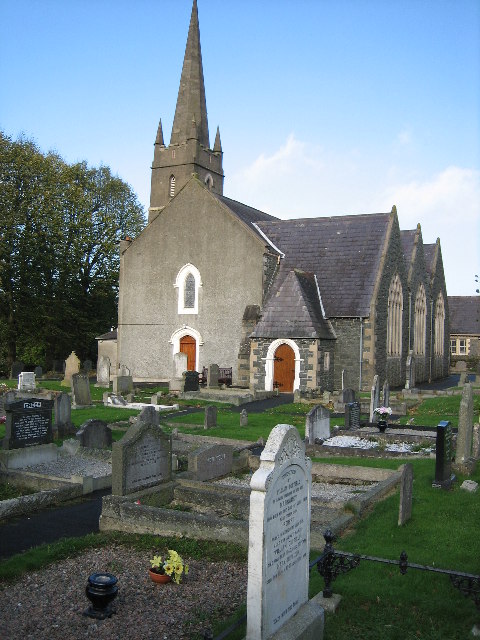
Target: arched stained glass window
(189, 292)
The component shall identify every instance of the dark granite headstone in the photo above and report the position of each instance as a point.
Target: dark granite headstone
(95, 434)
(17, 368)
(210, 417)
(352, 415)
(348, 395)
(213, 375)
(28, 423)
(63, 410)
(191, 381)
(87, 366)
(80, 390)
(443, 456)
(38, 371)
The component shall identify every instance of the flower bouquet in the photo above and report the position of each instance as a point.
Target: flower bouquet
(383, 412)
(171, 566)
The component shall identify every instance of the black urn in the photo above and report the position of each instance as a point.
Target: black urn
(101, 590)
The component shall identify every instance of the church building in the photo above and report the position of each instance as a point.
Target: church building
(313, 303)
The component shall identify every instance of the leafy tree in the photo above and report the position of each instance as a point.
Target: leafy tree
(59, 229)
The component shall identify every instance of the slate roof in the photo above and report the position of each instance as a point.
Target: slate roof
(408, 244)
(464, 314)
(294, 310)
(429, 251)
(110, 335)
(343, 251)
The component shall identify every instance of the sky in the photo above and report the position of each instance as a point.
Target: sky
(325, 107)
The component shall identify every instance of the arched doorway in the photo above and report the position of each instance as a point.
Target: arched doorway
(284, 368)
(188, 345)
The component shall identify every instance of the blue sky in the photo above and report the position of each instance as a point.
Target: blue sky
(325, 107)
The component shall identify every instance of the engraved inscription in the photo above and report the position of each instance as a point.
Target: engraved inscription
(147, 465)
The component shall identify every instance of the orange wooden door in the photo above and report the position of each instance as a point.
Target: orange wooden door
(189, 346)
(284, 368)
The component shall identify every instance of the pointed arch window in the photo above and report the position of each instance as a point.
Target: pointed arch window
(172, 186)
(420, 322)
(439, 346)
(188, 283)
(395, 317)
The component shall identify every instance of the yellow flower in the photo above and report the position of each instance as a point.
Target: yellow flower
(186, 569)
(179, 568)
(168, 568)
(156, 562)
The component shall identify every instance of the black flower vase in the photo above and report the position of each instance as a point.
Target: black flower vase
(382, 425)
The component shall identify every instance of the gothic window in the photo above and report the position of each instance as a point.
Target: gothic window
(209, 181)
(439, 326)
(420, 322)
(172, 186)
(394, 317)
(188, 283)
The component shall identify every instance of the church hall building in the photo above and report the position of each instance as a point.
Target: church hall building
(313, 303)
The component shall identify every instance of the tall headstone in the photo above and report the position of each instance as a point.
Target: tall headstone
(213, 375)
(348, 395)
(476, 441)
(38, 371)
(317, 424)
(103, 371)
(210, 462)
(465, 426)
(95, 434)
(279, 534)
(26, 381)
(177, 382)
(62, 425)
(210, 417)
(386, 394)
(352, 415)
(410, 371)
(80, 390)
(141, 459)
(191, 380)
(16, 370)
(87, 366)
(72, 366)
(122, 384)
(406, 494)
(374, 397)
(443, 456)
(28, 423)
(243, 418)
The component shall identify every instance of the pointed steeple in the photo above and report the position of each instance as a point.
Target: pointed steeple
(191, 103)
(159, 138)
(217, 147)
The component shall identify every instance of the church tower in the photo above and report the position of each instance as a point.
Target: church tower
(189, 150)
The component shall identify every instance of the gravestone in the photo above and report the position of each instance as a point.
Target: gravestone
(210, 462)
(80, 390)
(95, 434)
(191, 381)
(38, 371)
(103, 371)
(16, 370)
(130, 398)
(386, 394)
(374, 397)
(463, 378)
(460, 365)
(87, 366)
(317, 424)
(352, 415)
(348, 395)
(406, 494)
(210, 417)
(154, 399)
(465, 426)
(26, 381)
(410, 371)
(279, 534)
(327, 396)
(62, 425)
(72, 366)
(122, 384)
(149, 415)
(141, 459)
(476, 442)
(177, 382)
(469, 485)
(213, 375)
(28, 423)
(443, 456)
(243, 418)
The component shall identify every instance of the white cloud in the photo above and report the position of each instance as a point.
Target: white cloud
(304, 180)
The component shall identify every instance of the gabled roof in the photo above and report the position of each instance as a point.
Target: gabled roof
(464, 314)
(408, 244)
(294, 310)
(110, 335)
(430, 253)
(344, 252)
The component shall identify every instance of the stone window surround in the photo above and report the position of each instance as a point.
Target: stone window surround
(269, 360)
(439, 326)
(180, 285)
(172, 186)
(187, 331)
(419, 334)
(395, 317)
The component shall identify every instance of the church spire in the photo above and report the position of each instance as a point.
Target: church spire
(191, 103)
(217, 147)
(159, 138)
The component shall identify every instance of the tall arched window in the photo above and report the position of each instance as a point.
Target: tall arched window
(188, 283)
(172, 186)
(420, 322)
(394, 318)
(439, 326)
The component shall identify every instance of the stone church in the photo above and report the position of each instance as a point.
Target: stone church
(315, 303)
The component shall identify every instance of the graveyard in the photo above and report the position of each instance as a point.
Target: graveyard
(193, 476)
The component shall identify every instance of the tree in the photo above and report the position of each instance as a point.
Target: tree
(60, 225)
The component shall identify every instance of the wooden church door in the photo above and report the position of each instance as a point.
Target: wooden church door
(189, 346)
(284, 368)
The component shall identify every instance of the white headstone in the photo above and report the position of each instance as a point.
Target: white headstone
(279, 534)
(26, 381)
(374, 396)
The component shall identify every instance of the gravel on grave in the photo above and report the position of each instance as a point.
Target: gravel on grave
(50, 603)
(68, 466)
